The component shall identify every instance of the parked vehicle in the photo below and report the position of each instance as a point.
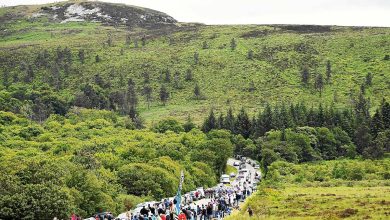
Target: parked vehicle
(244, 171)
(232, 175)
(225, 179)
(242, 166)
(236, 163)
(257, 166)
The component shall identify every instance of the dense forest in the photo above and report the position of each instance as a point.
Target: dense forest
(90, 161)
(296, 133)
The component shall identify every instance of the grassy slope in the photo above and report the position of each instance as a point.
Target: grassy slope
(223, 75)
(297, 193)
(298, 202)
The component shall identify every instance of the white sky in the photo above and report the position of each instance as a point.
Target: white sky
(321, 12)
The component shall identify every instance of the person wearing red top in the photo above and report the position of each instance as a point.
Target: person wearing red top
(163, 217)
(182, 216)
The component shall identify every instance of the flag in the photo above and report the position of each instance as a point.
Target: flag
(178, 195)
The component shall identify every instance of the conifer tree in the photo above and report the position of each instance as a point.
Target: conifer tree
(167, 76)
(267, 119)
(229, 121)
(250, 55)
(233, 44)
(220, 121)
(369, 77)
(132, 99)
(197, 92)
(305, 76)
(243, 124)
(205, 45)
(97, 58)
(362, 137)
(376, 123)
(210, 123)
(164, 94)
(189, 76)
(328, 71)
(147, 90)
(319, 83)
(196, 58)
(385, 110)
(82, 56)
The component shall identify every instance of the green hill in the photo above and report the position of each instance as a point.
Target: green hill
(41, 69)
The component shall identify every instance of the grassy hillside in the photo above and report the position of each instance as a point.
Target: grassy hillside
(226, 77)
(327, 190)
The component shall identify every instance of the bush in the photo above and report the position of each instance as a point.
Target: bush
(168, 125)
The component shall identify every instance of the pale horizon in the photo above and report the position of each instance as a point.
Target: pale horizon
(304, 12)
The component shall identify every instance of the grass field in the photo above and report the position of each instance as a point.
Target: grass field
(299, 202)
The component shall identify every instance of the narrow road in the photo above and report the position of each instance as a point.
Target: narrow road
(230, 162)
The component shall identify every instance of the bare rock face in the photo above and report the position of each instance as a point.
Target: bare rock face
(106, 13)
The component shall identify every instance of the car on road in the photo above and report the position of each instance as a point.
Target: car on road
(243, 171)
(225, 179)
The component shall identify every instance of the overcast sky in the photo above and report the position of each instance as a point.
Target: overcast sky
(322, 12)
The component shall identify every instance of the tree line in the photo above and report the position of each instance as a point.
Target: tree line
(360, 132)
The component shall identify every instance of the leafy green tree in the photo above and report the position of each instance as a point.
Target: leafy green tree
(188, 125)
(169, 124)
(143, 179)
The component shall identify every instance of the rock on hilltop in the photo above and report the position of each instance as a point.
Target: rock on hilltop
(91, 11)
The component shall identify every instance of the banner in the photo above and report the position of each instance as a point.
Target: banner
(178, 195)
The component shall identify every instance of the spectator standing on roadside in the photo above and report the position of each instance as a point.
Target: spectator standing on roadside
(250, 211)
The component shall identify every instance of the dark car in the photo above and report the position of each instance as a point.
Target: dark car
(105, 215)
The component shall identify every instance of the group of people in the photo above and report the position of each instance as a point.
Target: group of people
(222, 201)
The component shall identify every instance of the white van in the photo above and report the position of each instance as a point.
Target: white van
(225, 179)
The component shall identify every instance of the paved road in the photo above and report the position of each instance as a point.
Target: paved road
(230, 162)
